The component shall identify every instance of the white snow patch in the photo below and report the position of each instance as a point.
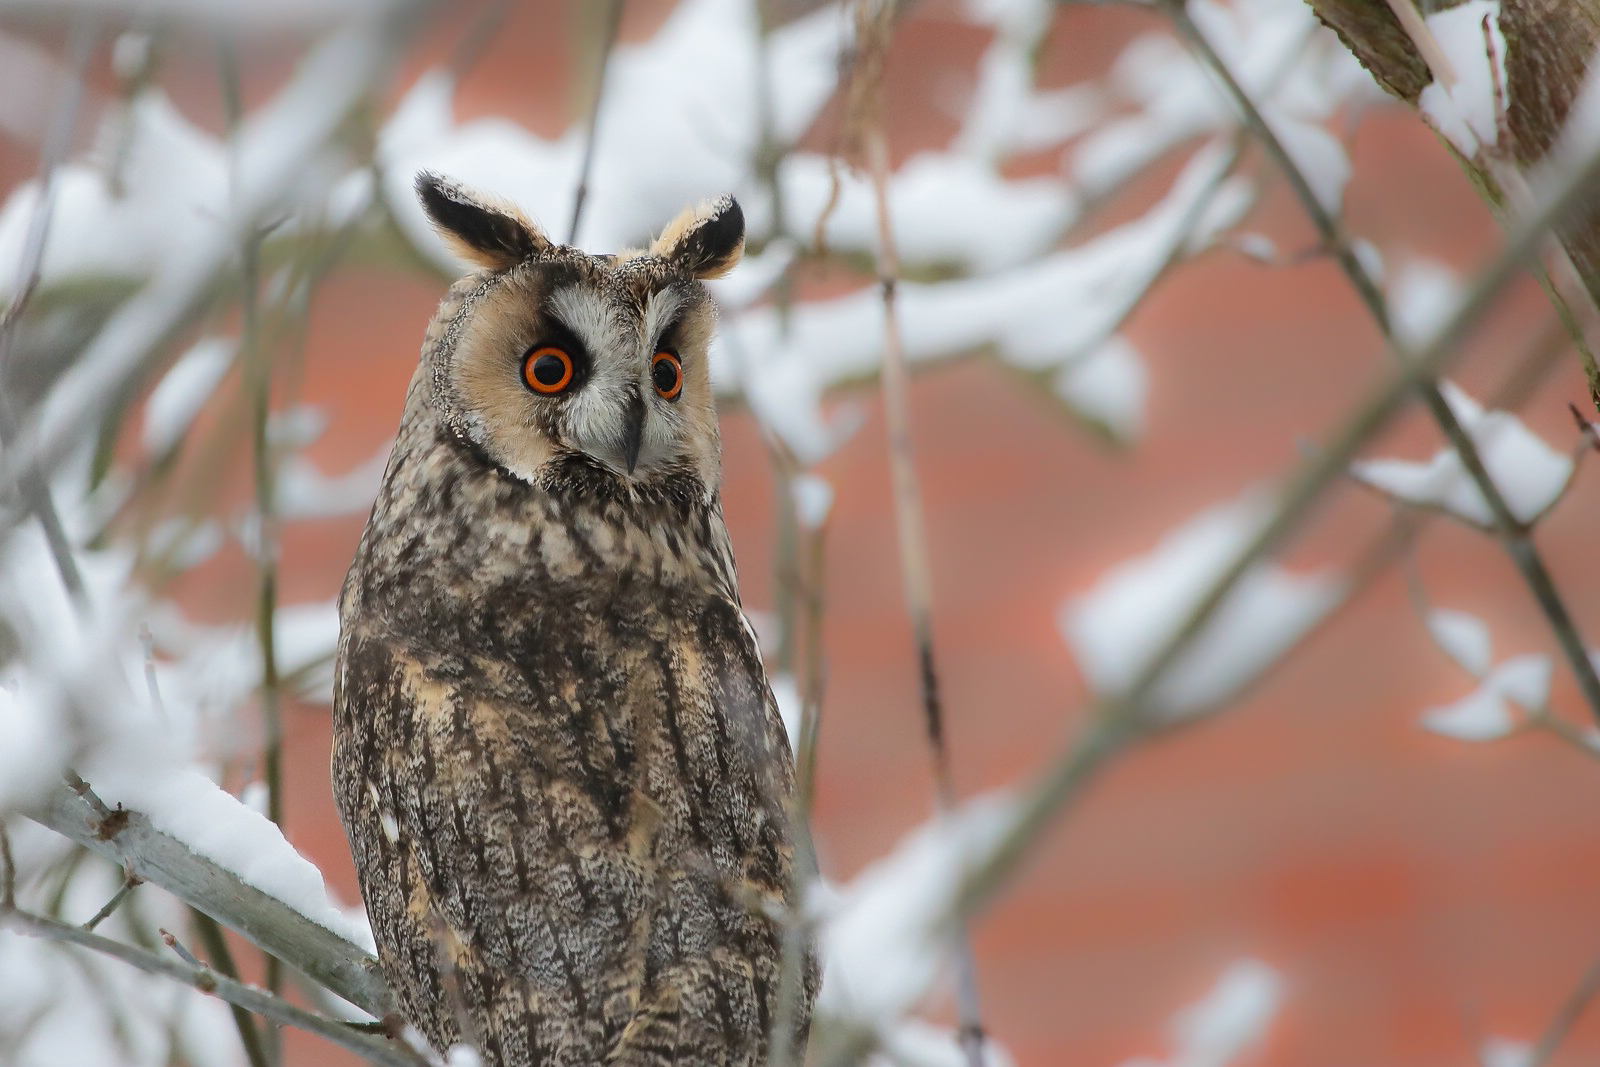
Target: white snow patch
(944, 209)
(918, 1043)
(1229, 1019)
(880, 936)
(184, 803)
(184, 391)
(34, 750)
(786, 692)
(1037, 317)
(1487, 713)
(1505, 1052)
(1530, 475)
(813, 499)
(1115, 628)
(1370, 258)
(1467, 114)
(1318, 155)
(701, 136)
(1422, 296)
(1108, 386)
(304, 492)
(1464, 638)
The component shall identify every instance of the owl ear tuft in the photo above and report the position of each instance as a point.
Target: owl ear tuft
(483, 230)
(705, 241)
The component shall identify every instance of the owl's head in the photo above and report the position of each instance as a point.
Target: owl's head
(549, 360)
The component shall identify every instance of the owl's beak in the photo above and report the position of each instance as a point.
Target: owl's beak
(632, 429)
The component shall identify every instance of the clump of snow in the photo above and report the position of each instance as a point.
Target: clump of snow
(304, 492)
(1268, 46)
(169, 188)
(709, 127)
(1370, 258)
(1505, 1052)
(1116, 628)
(918, 1043)
(884, 936)
(34, 750)
(945, 209)
(1229, 1019)
(183, 392)
(1487, 713)
(1466, 112)
(1037, 317)
(1530, 475)
(1317, 154)
(1464, 638)
(813, 499)
(1108, 384)
(1007, 113)
(1422, 296)
(213, 823)
(786, 692)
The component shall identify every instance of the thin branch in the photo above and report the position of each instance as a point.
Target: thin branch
(263, 1050)
(1566, 732)
(8, 871)
(1113, 723)
(591, 130)
(30, 479)
(210, 931)
(874, 26)
(129, 882)
(1571, 1010)
(476, 41)
(204, 979)
(1514, 535)
(127, 839)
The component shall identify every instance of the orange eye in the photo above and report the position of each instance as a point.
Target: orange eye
(547, 370)
(666, 373)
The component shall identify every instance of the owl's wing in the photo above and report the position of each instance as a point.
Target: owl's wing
(481, 860)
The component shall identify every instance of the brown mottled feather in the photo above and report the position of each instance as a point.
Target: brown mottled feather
(556, 754)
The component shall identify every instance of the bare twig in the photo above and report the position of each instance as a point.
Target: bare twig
(874, 26)
(479, 36)
(216, 943)
(8, 871)
(1565, 732)
(608, 42)
(198, 976)
(1571, 1010)
(263, 1050)
(30, 479)
(127, 839)
(1113, 723)
(1515, 535)
(129, 881)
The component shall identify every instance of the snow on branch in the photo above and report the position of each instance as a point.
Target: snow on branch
(1115, 627)
(301, 927)
(1530, 475)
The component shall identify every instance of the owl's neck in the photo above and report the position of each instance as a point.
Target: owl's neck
(452, 533)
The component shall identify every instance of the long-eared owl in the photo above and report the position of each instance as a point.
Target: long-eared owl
(556, 756)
